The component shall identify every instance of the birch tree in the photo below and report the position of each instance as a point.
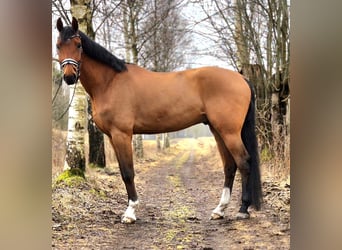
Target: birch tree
(75, 153)
(96, 138)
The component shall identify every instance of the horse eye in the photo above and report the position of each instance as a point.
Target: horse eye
(58, 47)
(79, 46)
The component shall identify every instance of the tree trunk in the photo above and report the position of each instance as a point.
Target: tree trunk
(130, 18)
(97, 156)
(75, 157)
(158, 141)
(138, 146)
(239, 37)
(166, 141)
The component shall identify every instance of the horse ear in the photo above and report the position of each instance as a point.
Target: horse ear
(59, 24)
(74, 24)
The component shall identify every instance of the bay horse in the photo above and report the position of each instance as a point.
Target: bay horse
(127, 99)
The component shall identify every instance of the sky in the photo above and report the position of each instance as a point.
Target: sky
(194, 13)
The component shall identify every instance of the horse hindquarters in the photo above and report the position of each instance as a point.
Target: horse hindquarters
(242, 147)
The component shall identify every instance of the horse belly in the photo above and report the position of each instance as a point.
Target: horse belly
(162, 122)
(169, 105)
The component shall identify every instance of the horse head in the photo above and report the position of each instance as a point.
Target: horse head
(69, 49)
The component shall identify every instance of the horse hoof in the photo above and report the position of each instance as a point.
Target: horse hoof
(127, 220)
(215, 216)
(242, 216)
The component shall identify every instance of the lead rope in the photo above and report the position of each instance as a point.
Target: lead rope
(72, 98)
(54, 98)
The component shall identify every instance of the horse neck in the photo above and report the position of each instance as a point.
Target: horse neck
(95, 76)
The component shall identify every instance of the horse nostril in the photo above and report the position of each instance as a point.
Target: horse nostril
(70, 79)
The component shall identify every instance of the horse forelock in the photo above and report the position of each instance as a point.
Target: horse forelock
(66, 33)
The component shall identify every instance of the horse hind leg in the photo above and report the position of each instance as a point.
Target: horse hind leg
(229, 172)
(240, 155)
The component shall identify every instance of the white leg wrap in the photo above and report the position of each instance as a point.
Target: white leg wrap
(129, 215)
(218, 212)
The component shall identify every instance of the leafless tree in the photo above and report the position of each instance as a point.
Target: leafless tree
(254, 36)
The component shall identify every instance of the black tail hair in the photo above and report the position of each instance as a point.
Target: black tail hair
(250, 141)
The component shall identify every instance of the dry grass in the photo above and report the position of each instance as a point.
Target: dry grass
(58, 151)
(151, 153)
(274, 166)
(276, 161)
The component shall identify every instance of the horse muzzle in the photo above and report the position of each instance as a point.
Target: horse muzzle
(71, 79)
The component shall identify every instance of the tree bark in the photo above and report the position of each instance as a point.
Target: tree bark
(158, 141)
(75, 157)
(239, 37)
(166, 141)
(97, 157)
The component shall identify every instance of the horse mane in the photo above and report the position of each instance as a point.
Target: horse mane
(95, 51)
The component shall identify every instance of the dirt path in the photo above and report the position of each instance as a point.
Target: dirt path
(176, 196)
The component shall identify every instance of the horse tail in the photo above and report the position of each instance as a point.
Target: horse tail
(250, 141)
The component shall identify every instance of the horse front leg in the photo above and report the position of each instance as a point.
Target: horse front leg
(123, 149)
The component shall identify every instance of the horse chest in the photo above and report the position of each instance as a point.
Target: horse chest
(100, 117)
(108, 118)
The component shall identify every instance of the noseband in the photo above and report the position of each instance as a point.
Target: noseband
(72, 62)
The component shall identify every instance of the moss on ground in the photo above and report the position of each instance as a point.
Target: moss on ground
(97, 192)
(71, 177)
